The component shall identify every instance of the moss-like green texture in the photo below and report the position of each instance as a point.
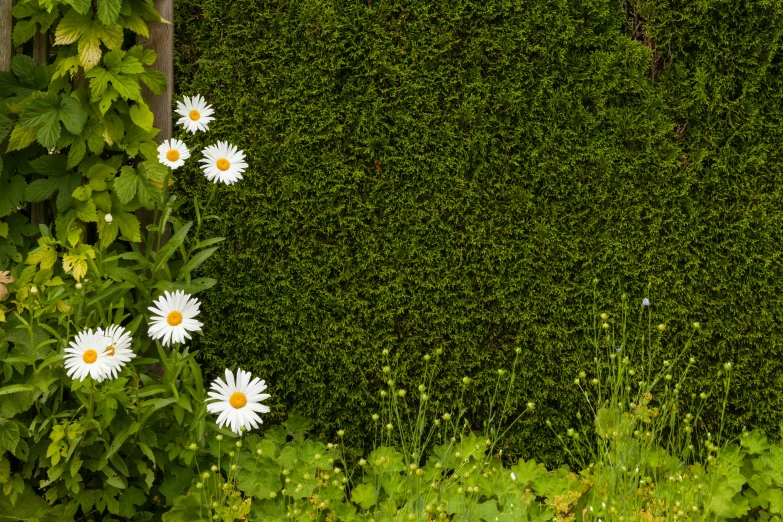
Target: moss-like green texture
(453, 174)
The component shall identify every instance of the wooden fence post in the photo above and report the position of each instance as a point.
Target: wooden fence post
(6, 44)
(161, 41)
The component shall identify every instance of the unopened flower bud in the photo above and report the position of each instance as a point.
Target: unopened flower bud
(386, 369)
(79, 286)
(375, 416)
(696, 325)
(238, 444)
(362, 462)
(439, 351)
(605, 326)
(108, 218)
(427, 357)
(33, 290)
(594, 382)
(570, 432)
(582, 375)
(447, 416)
(199, 485)
(604, 316)
(385, 351)
(422, 388)
(531, 405)
(219, 437)
(401, 393)
(390, 426)
(727, 366)
(661, 327)
(193, 446)
(703, 395)
(214, 468)
(549, 423)
(340, 433)
(383, 393)
(466, 380)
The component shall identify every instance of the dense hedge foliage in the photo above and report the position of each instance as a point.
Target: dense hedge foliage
(455, 174)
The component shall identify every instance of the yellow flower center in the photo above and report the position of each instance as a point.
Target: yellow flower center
(172, 155)
(195, 115)
(90, 356)
(238, 400)
(174, 318)
(110, 350)
(223, 164)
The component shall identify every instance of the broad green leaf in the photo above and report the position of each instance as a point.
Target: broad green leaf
(24, 30)
(142, 116)
(154, 80)
(364, 495)
(125, 186)
(109, 11)
(21, 137)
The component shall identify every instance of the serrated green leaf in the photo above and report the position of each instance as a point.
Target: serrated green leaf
(24, 30)
(73, 115)
(109, 11)
(125, 186)
(21, 137)
(154, 80)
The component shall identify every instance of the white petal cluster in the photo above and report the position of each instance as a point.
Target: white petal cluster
(174, 317)
(223, 163)
(88, 355)
(237, 401)
(196, 114)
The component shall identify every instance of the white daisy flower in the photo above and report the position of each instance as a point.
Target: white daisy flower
(173, 153)
(196, 113)
(119, 352)
(88, 354)
(238, 401)
(223, 162)
(174, 317)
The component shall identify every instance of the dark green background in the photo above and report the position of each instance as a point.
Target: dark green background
(454, 174)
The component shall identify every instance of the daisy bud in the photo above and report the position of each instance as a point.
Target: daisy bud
(661, 327)
(582, 375)
(576, 381)
(703, 395)
(386, 369)
(605, 326)
(518, 350)
(439, 351)
(696, 325)
(329, 446)
(385, 351)
(594, 382)
(79, 286)
(727, 366)
(200, 485)
(668, 377)
(531, 405)
(259, 451)
(383, 393)
(375, 416)
(340, 433)
(215, 505)
(234, 467)
(232, 454)
(466, 380)
(578, 415)
(447, 416)
(427, 357)
(219, 437)
(214, 468)
(604, 316)
(422, 388)
(390, 426)
(362, 462)
(570, 432)
(501, 372)
(108, 218)
(33, 290)
(193, 446)
(424, 396)
(205, 475)
(595, 280)
(239, 444)
(631, 372)
(401, 393)
(390, 382)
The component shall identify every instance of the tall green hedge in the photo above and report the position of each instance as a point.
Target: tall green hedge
(454, 174)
